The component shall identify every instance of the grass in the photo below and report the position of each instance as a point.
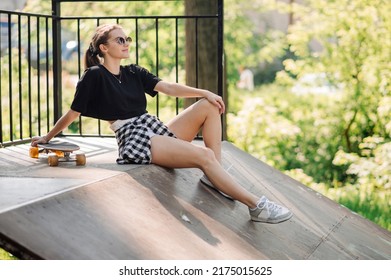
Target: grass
(371, 204)
(4, 255)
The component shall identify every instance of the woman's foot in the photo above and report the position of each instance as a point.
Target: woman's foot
(269, 212)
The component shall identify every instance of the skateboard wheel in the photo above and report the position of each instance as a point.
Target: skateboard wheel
(52, 159)
(34, 152)
(80, 159)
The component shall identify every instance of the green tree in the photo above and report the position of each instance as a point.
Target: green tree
(342, 140)
(355, 39)
(249, 42)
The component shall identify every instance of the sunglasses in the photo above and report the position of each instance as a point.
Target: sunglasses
(122, 41)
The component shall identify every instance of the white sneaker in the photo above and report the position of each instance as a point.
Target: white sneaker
(208, 183)
(269, 212)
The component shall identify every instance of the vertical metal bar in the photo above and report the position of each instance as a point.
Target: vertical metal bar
(1, 95)
(47, 80)
(57, 67)
(136, 22)
(39, 70)
(20, 88)
(99, 125)
(38, 95)
(220, 45)
(157, 61)
(176, 64)
(99, 121)
(78, 49)
(196, 49)
(220, 63)
(79, 59)
(11, 137)
(29, 75)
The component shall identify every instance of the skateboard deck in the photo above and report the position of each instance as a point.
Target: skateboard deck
(58, 151)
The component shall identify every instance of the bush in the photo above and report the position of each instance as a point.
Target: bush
(302, 136)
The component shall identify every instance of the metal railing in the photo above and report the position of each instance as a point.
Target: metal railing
(25, 76)
(41, 59)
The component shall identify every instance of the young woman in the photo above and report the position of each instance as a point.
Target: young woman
(115, 93)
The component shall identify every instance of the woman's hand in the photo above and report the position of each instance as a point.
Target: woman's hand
(216, 100)
(38, 140)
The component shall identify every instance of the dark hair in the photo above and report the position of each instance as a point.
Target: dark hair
(93, 54)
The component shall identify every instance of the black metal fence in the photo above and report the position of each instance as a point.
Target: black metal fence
(41, 59)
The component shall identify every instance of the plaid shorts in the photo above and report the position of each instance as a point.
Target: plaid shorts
(134, 139)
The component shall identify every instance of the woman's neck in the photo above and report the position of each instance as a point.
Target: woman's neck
(113, 67)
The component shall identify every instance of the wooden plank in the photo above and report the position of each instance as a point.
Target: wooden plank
(120, 219)
(149, 212)
(18, 191)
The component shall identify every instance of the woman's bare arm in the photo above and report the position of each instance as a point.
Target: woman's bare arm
(60, 125)
(178, 90)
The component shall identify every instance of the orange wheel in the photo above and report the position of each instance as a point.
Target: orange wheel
(34, 152)
(52, 159)
(80, 159)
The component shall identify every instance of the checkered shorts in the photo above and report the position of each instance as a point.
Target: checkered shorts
(134, 139)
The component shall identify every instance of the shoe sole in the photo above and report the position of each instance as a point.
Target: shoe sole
(275, 221)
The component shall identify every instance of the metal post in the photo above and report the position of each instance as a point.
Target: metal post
(220, 63)
(57, 76)
(220, 45)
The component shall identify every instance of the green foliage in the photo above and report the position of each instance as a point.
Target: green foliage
(289, 131)
(370, 192)
(355, 39)
(302, 137)
(348, 41)
(248, 43)
(23, 99)
(146, 28)
(4, 255)
(373, 168)
(104, 8)
(337, 144)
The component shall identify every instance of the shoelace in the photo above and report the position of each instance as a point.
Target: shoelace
(270, 206)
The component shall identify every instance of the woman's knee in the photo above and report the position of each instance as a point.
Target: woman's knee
(206, 157)
(207, 107)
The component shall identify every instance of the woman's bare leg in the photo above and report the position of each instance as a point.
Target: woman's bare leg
(176, 153)
(201, 114)
(180, 153)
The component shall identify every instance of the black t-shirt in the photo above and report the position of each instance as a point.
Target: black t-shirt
(99, 94)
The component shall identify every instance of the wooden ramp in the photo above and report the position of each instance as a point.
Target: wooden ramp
(105, 211)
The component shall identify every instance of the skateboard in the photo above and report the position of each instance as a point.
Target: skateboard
(58, 151)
